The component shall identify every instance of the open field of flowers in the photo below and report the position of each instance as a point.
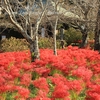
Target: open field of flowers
(72, 75)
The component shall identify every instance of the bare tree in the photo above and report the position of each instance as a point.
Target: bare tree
(59, 13)
(24, 13)
(97, 29)
(55, 25)
(85, 9)
(21, 14)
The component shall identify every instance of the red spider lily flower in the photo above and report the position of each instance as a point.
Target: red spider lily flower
(59, 79)
(43, 71)
(60, 91)
(93, 91)
(15, 72)
(6, 88)
(96, 68)
(41, 83)
(40, 63)
(21, 56)
(93, 96)
(41, 96)
(76, 85)
(27, 67)
(42, 93)
(25, 79)
(16, 69)
(61, 86)
(2, 80)
(24, 92)
(83, 73)
(4, 62)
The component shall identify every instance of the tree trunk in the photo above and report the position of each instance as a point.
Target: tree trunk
(62, 33)
(84, 40)
(97, 32)
(54, 36)
(55, 45)
(34, 50)
(25, 24)
(97, 40)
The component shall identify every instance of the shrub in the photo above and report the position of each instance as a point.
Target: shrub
(71, 36)
(13, 44)
(48, 43)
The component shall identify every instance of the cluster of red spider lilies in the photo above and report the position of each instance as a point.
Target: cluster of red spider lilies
(74, 74)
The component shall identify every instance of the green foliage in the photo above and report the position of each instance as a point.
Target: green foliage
(72, 36)
(48, 43)
(13, 44)
(33, 90)
(9, 95)
(91, 35)
(54, 71)
(35, 75)
(51, 86)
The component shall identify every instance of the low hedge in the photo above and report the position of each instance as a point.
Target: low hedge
(13, 44)
(48, 43)
(71, 36)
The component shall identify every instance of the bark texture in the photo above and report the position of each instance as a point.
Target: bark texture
(97, 32)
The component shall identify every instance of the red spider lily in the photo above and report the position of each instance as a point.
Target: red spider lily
(41, 83)
(27, 66)
(41, 96)
(59, 79)
(25, 79)
(15, 72)
(94, 92)
(24, 92)
(60, 91)
(2, 80)
(83, 73)
(73, 69)
(43, 71)
(76, 85)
